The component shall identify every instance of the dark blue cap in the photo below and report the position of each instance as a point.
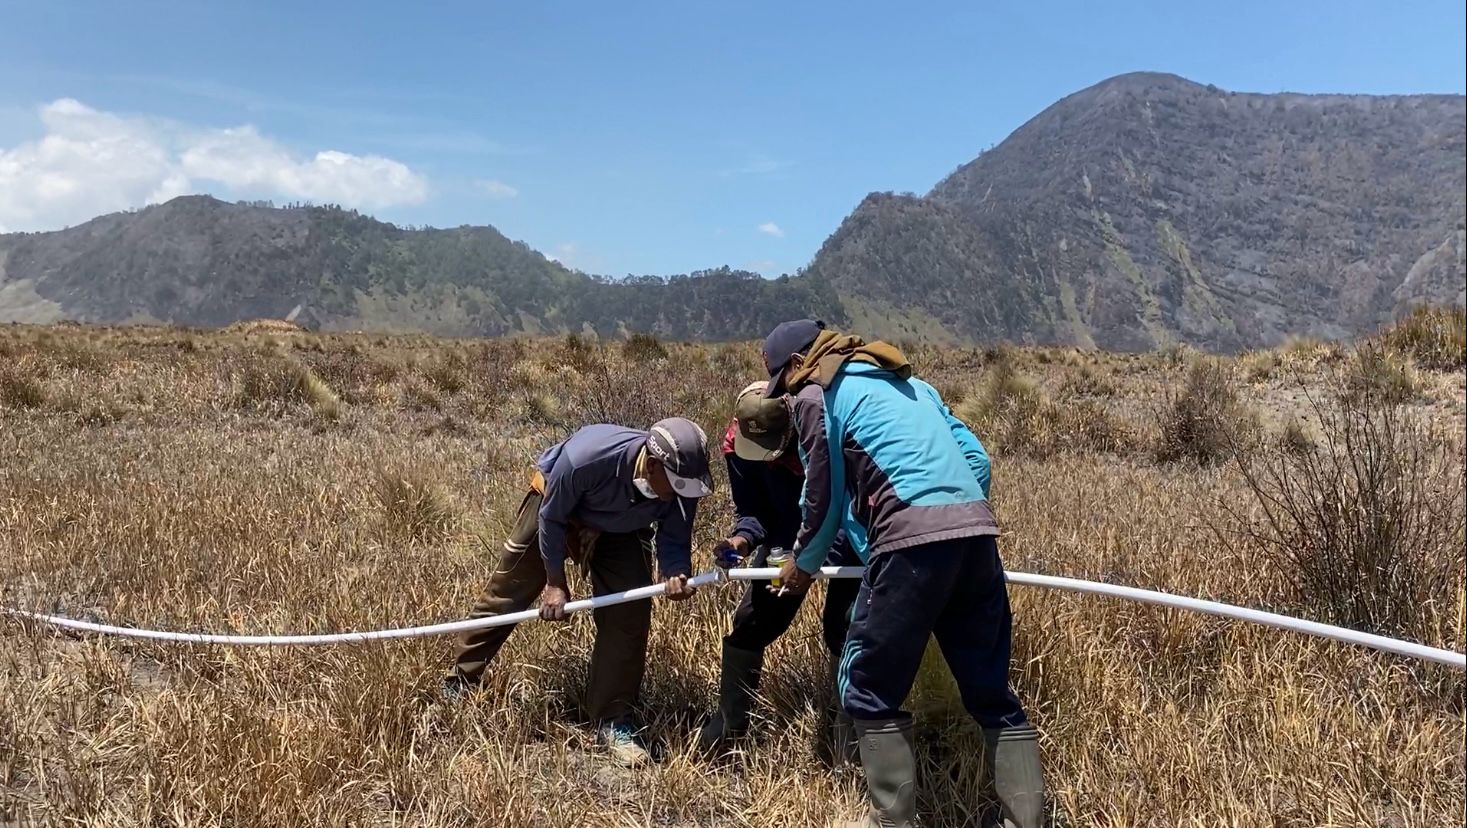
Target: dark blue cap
(786, 340)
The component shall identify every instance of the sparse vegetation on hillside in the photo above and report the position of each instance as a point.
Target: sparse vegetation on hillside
(1122, 215)
(1435, 337)
(330, 268)
(219, 498)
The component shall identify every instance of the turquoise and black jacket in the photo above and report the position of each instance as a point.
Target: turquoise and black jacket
(886, 460)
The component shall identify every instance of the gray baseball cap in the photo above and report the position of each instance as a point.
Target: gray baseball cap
(682, 448)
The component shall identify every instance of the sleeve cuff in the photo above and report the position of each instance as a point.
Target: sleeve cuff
(554, 570)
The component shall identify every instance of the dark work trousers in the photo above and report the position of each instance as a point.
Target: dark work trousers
(617, 561)
(762, 616)
(952, 589)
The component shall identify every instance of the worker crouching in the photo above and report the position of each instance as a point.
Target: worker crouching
(594, 499)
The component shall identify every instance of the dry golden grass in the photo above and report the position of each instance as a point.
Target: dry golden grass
(216, 495)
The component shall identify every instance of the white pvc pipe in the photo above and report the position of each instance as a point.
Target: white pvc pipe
(638, 594)
(1146, 596)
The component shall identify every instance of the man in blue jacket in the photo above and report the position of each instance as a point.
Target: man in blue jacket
(593, 499)
(765, 480)
(885, 459)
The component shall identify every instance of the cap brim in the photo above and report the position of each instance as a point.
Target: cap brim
(747, 449)
(689, 486)
(776, 383)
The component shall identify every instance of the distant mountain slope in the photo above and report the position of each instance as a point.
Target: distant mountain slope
(1142, 211)
(200, 261)
(1148, 209)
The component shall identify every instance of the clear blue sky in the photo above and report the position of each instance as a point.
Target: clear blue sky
(623, 137)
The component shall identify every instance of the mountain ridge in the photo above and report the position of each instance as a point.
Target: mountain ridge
(1141, 211)
(1148, 209)
(200, 261)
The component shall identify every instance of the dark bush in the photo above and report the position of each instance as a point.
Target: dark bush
(642, 347)
(1205, 420)
(1367, 524)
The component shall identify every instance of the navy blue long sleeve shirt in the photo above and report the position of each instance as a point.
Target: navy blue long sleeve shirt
(588, 480)
(767, 501)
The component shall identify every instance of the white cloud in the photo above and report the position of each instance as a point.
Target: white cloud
(496, 189)
(769, 228)
(563, 253)
(90, 162)
(573, 256)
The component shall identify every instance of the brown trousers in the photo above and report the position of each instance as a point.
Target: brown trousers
(616, 561)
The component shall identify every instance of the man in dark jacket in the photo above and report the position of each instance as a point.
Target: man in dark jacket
(908, 481)
(765, 479)
(593, 499)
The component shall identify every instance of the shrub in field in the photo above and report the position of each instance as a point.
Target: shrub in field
(1435, 337)
(18, 389)
(263, 382)
(1006, 412)
(539, 392)
(643, 347)
(323, 401)
(1369, 525)
(1309, 352)
(1260, 366)
(1012, 416)
(420, 395)
(1295, 438)
(272, 381)
(578, 353)
(1088, 426)
(1086, 380)
(737, 360)
(610, 390)
(1177, 354)
(450, 372)
(490, 367)
(414, 507)
(103, 413)
(354, 373)
(1203, 422)
(89, 407)
(1004, 390)
(1381, 376)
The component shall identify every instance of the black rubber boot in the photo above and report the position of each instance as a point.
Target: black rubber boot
(1018, 779)
(891, 771)
(843, 739)
(736, 688)
(844, 743)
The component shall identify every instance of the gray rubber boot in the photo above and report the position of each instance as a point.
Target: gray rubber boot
(1018, 779)
(737, 685)
(891, 771)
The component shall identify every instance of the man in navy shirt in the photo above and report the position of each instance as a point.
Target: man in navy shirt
(765, 479)
(593, 499)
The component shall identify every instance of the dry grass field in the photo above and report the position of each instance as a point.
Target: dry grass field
(263, 480)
